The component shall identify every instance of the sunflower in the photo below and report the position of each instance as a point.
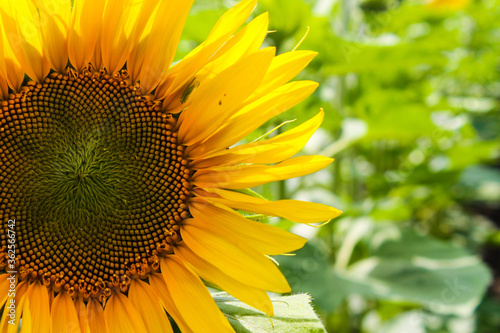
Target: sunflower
(119, 196)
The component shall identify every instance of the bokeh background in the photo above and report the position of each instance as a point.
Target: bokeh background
(411, 94)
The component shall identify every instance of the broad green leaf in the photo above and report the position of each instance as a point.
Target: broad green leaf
(465, 154)
(291, 314)
(408, 266)
(403, 266)
(407, 322)
(481, 183)
(310, 271)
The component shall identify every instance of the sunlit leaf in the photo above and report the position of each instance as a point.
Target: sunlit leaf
(291, 314)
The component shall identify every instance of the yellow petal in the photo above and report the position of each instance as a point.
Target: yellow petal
(112, 45)
(21, 22)
(4, 288)
(192, 298)
(84, 29)
(257, 298)
(39, 307)
(253, 115)
(95, 317)
(234, 257)
(293, 210)
(55, 16)
(145, 21)
(264, 238)
(217, 99)
(64, 315)
(231, 20)
(160, 288)
(121, 316)
(147, 303)
(183, 72)
(4, 88)
(81, 311)
(124, 24)
(274, 150)
(159, 50)
(27, 322)
(283, 68)
(246, 41)
(18, 301)
(244, 176)
(10, 68)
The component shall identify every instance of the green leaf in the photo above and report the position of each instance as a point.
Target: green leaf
(481, 183)
(402, 266)
(464, 154)
(437, 275)
(310, 271)
(291, 314)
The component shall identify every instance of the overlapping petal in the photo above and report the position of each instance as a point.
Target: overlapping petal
(218, 98)
(255, 297)
(185, 71)
(19, 300)
(192, 298)
(148, 305)
(95, 317)
(10, 68)
(22, 26)
(55, 17)
(4, 289)
(283, 68)
(84, 30)
(250, 117)
(4, 88)
(39, 307)
(81, 312)
(64, 315)
(293, 210)
(121, 316)
(159, 286)
(240, 262)
(273, 150)
(152, 60)
(121, 32)
(263, 238)
(244, 176)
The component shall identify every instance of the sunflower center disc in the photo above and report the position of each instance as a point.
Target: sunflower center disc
(94, 177)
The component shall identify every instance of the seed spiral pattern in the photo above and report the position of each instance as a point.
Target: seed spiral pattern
(93, 174)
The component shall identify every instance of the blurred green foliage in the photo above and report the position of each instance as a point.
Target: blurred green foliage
(411, 94)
